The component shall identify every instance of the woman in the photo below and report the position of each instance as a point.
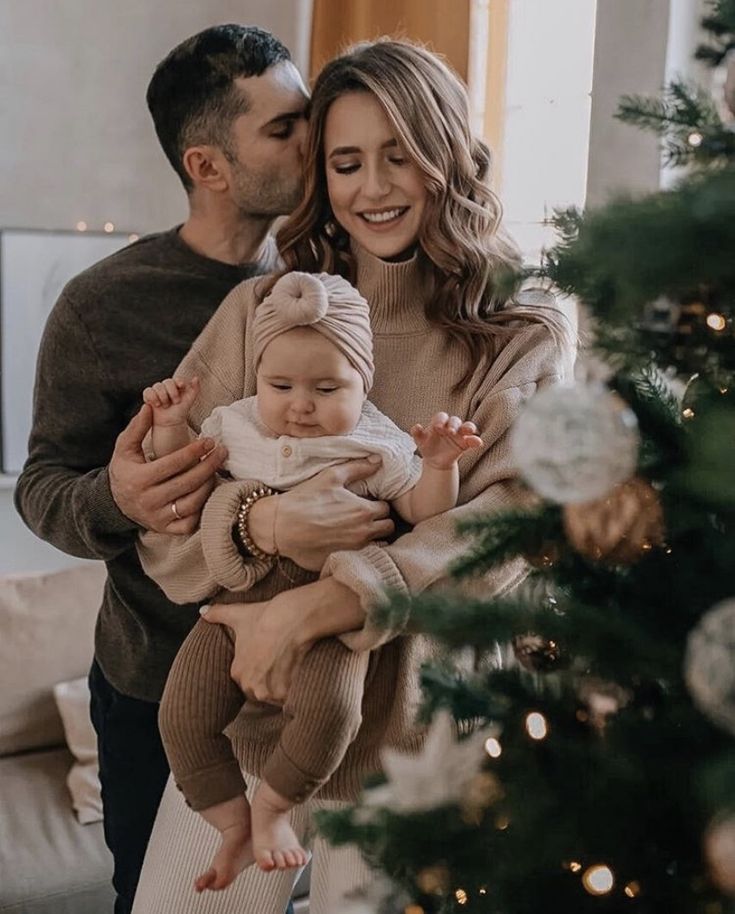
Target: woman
(397, 201)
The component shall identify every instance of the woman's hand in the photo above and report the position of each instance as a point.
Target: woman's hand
(272, 638)
(320, 516)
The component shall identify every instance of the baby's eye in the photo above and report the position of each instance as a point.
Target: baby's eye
(326, 390)
(281, 386)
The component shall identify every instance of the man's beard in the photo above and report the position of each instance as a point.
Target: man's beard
(266, 199)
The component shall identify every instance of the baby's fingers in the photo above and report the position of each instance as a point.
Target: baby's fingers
(172, 389)
(472, 441)
(418, 433)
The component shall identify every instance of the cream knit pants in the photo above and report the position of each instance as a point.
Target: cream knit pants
(182, 846)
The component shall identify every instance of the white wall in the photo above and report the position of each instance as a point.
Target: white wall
(547, 114)
(630, 58)
(77, 141)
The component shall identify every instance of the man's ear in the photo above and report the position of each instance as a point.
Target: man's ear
(207, 167)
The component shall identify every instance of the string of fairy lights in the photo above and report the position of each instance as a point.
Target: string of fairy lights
(108, 228)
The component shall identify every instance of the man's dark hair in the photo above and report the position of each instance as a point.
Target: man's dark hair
(192, 97)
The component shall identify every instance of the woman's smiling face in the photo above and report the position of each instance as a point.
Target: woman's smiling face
(377, 195)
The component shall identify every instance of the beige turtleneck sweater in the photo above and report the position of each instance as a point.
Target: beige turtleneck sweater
(416, 368)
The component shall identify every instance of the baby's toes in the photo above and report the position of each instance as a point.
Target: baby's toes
(264, 859)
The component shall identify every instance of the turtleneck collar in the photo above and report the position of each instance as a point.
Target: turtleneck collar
(396, 292)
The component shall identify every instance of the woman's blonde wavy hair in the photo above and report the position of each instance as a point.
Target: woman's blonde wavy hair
(471, 258)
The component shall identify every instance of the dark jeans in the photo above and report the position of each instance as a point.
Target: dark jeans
(133, 773)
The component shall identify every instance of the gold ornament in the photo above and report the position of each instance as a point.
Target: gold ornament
(719, 849)
(433, 880)
(602, 698)
(546, 557)
(620, 528)
(482, 791)
(537, 654)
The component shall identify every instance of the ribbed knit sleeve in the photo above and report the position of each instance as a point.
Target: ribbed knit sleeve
(193, 568)
(199, 701)
(420, 559)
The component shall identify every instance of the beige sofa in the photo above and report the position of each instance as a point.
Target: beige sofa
(49, 862)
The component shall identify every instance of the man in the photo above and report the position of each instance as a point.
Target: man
(228, 108)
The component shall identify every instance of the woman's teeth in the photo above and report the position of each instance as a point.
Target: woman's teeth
(385, 216)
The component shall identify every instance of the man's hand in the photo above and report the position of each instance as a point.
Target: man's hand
(271, 639)
(145, 492)
(268, 646)
(320, 516)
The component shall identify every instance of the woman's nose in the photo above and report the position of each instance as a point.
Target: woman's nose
(376, 184)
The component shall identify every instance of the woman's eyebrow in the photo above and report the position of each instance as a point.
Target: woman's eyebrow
(351, 150)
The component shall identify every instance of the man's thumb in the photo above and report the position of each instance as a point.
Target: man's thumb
(216, 612)
(135, 431)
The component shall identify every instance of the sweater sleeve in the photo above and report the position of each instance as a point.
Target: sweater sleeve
(63, 493)
(193, 568)
(420, 559)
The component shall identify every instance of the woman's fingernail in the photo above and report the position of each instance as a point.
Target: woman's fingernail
(203, 610)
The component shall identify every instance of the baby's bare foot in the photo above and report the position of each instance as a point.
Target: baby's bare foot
(274, 841)
(233, 855)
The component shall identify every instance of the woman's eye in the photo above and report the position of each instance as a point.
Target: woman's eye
(397, 160)
(346, 169)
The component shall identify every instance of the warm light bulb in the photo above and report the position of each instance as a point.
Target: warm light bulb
(688, 413)
(109, 227)
(695, 139)
(81, 226)
(574, 866)
(502, 822)
(598, 879)
(461, 896)
(483, 890)
(632, 889)
(716, 321)
(536, 725)
(493, 747)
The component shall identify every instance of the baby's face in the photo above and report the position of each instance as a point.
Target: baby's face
(307, 387)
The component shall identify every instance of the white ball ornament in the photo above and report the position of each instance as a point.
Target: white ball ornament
(709, 665)
(575, 442)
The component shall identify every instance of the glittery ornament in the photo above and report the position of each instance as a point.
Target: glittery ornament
(574, 443)
(719, 850)
(709, 665)
(537, 654)
(619, 529)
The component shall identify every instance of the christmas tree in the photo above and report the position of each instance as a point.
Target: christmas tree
(586, 763)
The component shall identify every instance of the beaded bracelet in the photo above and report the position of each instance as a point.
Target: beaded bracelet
(242, 524)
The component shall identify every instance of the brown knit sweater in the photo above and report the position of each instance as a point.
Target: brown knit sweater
(416, 369)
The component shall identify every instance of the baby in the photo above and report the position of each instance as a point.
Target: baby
(313, 357)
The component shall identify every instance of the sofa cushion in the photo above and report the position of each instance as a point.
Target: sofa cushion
(83, 781)
(47, 624)
(50, 864)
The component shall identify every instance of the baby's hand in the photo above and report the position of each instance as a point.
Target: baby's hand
(445, 440)
(171, 400)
